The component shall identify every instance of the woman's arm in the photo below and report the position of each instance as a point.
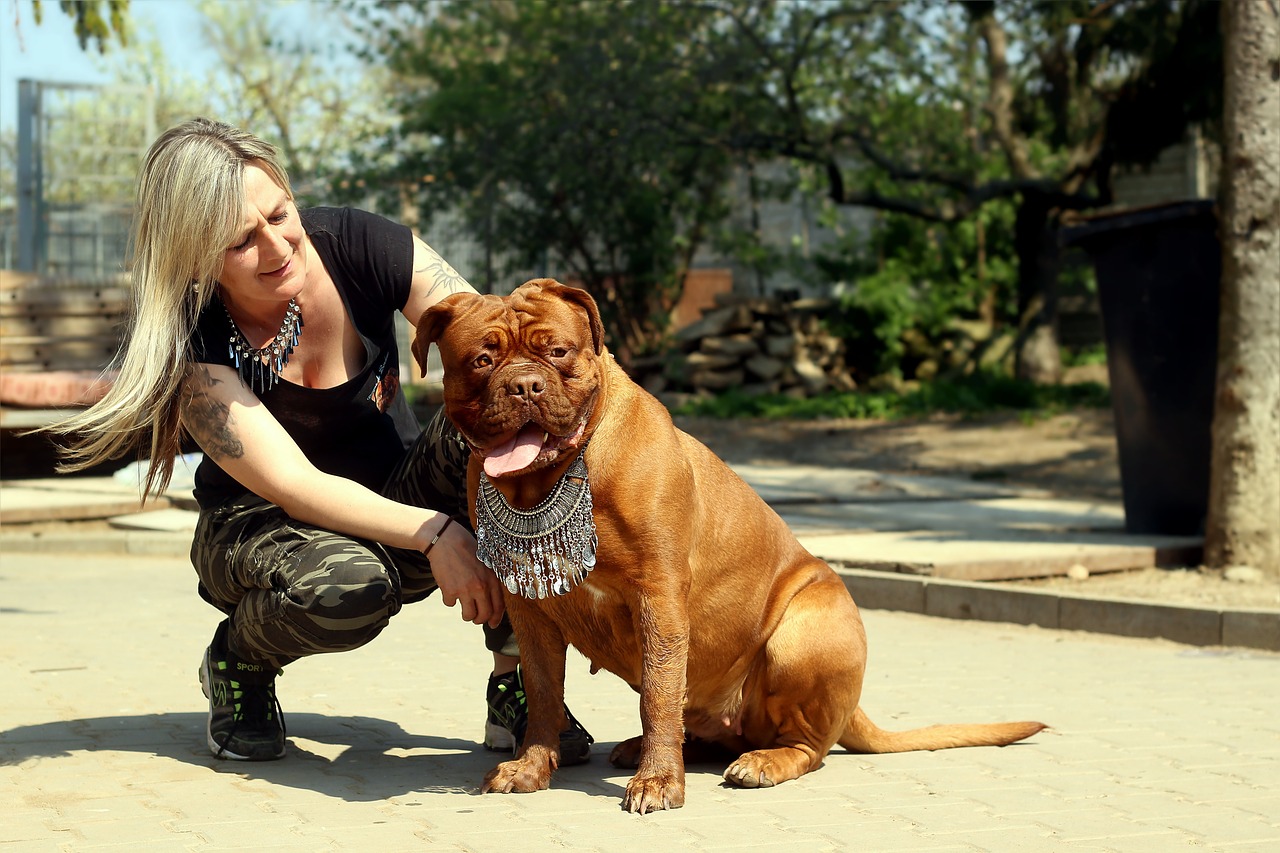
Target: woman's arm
(433, 280)
(233, 427)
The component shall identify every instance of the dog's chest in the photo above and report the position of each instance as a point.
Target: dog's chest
(597, 620)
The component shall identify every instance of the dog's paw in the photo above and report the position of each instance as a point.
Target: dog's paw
(764, 768)
(654, 792)
(626, 755)
(748, 774)
(518, 777)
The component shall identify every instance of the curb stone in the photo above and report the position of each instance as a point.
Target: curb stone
(1197, 626)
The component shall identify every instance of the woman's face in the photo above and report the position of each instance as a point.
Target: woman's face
(267, 261)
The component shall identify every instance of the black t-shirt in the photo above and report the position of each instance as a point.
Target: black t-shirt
(361, 428)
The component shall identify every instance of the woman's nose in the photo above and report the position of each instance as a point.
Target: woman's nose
(277, 247)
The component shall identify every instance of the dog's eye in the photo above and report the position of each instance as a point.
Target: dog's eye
(559, 352)
(482, 360)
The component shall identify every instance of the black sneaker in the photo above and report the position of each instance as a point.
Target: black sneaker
(509, 717)
(245, 721)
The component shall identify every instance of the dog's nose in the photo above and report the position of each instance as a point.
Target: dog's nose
(525, 385)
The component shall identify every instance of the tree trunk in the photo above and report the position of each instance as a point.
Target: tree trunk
(1243, 526)
(1037, 356)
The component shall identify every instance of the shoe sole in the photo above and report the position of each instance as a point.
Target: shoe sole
(214, 747)
(499, 739)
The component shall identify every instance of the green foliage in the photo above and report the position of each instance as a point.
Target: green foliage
(595, 140)
(1096, 354)
(735, 404)
(940, 110)
(913, 277)
(298, 89)
(555, 128)
(981, 393)
(95, 20)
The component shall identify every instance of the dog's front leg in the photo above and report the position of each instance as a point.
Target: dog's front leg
(542, 658)
(663, 624)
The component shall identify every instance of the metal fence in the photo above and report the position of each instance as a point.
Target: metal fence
(79, 148)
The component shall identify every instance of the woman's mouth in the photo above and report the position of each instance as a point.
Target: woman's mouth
(282, 271)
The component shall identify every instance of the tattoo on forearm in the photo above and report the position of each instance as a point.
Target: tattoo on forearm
(209, 419)
(443, 276)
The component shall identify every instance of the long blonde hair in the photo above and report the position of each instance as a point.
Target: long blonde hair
(189, 208)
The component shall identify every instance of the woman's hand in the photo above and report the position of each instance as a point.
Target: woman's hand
(233, 427)
(462, 578)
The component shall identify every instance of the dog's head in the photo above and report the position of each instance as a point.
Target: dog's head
(521, 372)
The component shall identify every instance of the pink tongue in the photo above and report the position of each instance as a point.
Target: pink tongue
(516, 454)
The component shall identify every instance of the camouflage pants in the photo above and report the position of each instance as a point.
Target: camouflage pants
(291, 589)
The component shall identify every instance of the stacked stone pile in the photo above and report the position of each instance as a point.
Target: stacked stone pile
(761, 346)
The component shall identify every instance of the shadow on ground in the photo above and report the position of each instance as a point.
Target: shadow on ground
(375, 760)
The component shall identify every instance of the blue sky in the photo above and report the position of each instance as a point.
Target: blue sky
(50, 51)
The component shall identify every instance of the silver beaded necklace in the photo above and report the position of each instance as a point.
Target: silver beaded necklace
(260, 367)
(543, 551)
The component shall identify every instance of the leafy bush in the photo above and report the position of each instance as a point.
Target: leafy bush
(980, 393)
(915, 278)
(1095, 354)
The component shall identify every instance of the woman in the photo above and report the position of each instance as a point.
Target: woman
(266, 334)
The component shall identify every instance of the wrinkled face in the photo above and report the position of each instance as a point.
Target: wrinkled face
(267, 261)
(521, 373)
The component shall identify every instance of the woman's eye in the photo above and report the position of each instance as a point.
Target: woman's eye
(244, 244)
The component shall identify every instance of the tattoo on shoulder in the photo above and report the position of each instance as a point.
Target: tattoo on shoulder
(443, 276)
(208, 419)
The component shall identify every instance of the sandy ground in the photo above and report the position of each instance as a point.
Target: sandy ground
(1068, 455)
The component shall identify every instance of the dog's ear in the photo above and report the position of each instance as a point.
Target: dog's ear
(431, 326)
(580, 297)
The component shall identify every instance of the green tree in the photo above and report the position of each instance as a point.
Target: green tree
(96, 21)
(549, 126)
(935, 110)
(302, 90)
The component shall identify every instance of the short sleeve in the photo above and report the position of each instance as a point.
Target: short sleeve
(371, 252)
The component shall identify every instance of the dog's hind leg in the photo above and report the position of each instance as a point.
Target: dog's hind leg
(813, 676)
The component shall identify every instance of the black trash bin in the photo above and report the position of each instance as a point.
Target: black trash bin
(1158, 272)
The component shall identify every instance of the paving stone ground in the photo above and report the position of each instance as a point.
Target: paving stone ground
(1155, 746)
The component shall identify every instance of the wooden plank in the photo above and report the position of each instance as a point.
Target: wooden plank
(48, 293)
(71, 328)
(81, 308)
(46, 341)
(90, 354)
(15, 280)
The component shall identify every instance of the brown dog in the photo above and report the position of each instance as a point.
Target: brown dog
(700, 598)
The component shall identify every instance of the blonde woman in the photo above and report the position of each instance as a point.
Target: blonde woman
(266, 334)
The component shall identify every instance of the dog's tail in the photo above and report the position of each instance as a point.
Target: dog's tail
(862, 735)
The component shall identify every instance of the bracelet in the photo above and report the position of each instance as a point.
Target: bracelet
(434, 539)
